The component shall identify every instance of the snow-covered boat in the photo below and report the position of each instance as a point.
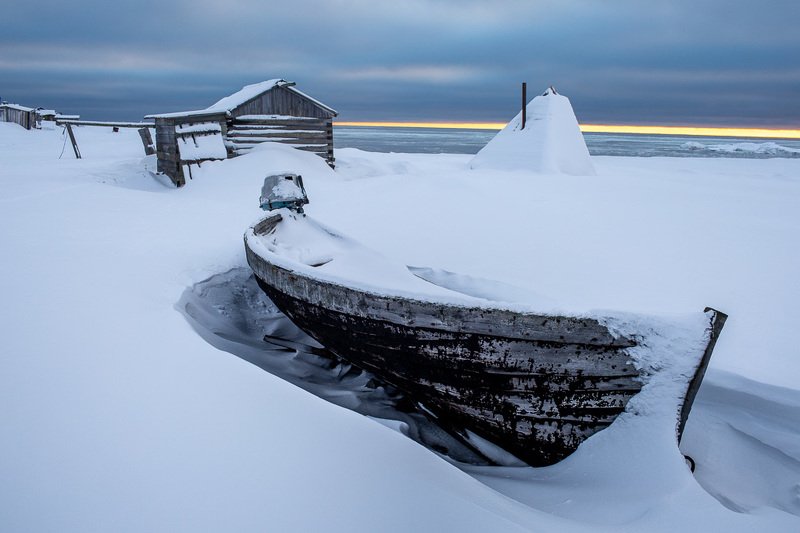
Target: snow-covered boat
(536, 384)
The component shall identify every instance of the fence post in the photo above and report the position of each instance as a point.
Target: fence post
(147, 141)
(74, 142)
(524, 103)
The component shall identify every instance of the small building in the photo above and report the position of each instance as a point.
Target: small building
(272, 110)
(24, 116)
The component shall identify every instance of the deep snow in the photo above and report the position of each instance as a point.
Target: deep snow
(117, 415)
(550, 141)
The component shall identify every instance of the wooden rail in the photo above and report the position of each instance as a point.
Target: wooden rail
(136, 125)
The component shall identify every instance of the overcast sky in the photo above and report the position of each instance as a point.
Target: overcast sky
(705, 62)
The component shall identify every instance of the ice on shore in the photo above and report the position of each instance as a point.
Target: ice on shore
(550, 143)
(769, 147)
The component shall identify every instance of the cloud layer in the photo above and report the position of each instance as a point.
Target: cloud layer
(622, 61)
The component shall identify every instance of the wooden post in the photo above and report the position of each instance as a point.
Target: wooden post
(147, 141)
(74, 142)
(524, 103)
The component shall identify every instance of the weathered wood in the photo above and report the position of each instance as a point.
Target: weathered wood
(269, 134)
(137, 125)
(538, 385)
(73, 141)
(716, 328)
(524, 103)
(312, 126)
(282, 101)
(298, 117)
(237, 142)
(24, 116)
(147, 141)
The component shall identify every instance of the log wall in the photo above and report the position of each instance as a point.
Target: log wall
(304, 133)
(19, 115)
(277, 115)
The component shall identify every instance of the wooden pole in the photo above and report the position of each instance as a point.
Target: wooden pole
(74, 142)
(147, 141)
(524, 102)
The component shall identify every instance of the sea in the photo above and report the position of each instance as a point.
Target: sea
(469, 141)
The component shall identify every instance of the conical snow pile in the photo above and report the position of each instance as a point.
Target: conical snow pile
(551, 142)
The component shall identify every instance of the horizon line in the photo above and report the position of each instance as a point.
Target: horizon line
(699, 131)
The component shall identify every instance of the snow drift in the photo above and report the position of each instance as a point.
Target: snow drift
(550, 143)
(117, 416)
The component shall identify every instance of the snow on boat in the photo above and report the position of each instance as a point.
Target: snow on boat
(536, 384)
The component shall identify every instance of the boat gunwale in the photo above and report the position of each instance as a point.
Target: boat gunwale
(267, 225)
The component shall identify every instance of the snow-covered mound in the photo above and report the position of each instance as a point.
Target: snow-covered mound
(550, 143)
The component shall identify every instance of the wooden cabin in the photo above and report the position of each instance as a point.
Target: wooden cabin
(272, 110)
(24, 116)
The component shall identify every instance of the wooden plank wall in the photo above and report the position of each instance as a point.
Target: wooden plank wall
(303, 124)
(304, 133)
(281, 101)
(167, 151)
(26, 119)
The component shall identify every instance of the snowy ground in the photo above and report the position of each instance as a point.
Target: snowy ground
(117, 415)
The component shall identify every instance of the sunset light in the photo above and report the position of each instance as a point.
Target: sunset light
(710, 131)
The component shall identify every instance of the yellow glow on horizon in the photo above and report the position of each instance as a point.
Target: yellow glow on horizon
(709, 131)
(442, 125)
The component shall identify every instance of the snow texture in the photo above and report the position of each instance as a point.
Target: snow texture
(550, 143)
(118, 416)
(200, 142)
(200, 127)
(17, 107)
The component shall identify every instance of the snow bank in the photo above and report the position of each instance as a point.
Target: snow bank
(117, 416)
(550, 143)
(201, 141)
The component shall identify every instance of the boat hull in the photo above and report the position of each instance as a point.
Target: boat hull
(536, 385)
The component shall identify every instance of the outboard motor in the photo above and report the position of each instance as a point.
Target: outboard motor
(283, 190)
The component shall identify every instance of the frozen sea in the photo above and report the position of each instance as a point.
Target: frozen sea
(464, 141)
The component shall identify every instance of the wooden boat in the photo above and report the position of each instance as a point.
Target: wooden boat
(535, 384)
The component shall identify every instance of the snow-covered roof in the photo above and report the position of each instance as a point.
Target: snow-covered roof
(242, 96)
(17, 107)
(248, 92)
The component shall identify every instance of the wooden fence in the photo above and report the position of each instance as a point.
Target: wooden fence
(24, 116)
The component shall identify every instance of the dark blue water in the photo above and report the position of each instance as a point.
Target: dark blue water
(457, 141)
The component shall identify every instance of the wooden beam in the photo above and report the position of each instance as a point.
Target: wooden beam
(136, 125)
(147, 141)
(74, 142)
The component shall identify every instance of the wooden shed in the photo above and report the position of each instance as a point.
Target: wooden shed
(24, 116)
(272, 110)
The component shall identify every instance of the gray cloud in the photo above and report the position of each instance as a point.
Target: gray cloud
(712, 61)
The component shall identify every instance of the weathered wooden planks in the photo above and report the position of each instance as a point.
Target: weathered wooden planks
(74, 122)
(24, 116)
(537, 385)
(310, 134)
(147, 141)
(280, 114)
